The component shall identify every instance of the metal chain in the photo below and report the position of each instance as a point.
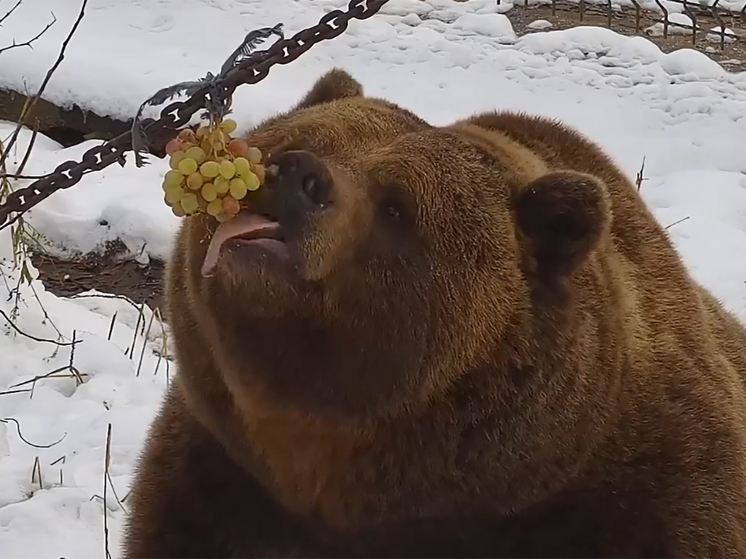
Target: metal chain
(179, 113)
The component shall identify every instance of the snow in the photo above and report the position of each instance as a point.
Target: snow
(681, 112)
(540, 25)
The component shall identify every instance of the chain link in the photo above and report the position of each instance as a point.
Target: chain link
(179, 113)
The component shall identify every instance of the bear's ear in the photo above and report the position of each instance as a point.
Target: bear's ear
(335, 84)
(562, 217)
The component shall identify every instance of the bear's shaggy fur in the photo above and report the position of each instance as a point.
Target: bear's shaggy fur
(479, 343)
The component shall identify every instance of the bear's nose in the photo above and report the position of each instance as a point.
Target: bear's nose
(303, 176)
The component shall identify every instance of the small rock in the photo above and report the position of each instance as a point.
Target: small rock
(711, 50)
(540, 25)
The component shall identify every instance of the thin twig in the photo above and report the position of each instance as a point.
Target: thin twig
(144, 344)
(51, 374)
(20, 435)
(677, 222)
(29, 149)
(47, 318)
(30, 42)
(114, 492)
(640, 177)
(30, 337)
(25, 177)
(10, 12)
(33, 100)
(105, 296)
(7, 392)
(34, 470)
(111, 326)
(137, 327)
(106, 478)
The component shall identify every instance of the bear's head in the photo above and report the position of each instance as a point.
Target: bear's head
(385, 258)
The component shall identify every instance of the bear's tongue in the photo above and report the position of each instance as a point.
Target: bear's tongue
(245, 224)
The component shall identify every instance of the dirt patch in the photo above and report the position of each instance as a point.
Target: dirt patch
(108, 273)
(624, 21)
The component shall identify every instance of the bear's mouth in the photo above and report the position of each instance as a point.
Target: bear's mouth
(246, 230)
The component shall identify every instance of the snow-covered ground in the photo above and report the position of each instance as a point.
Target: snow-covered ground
(681, 112)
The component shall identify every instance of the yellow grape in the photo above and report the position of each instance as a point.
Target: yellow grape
(209, 192)
(196, 153)
(187, 166)
(190, 203)
(177, 209)
(229, 126)
(252, 181)
(231, 205)
(174, 195)
(202, 131)
(194, 181)
(238, 189)
(242, 165)
(223, 217)
(173, 178)
(176, 158)
(202, 203)
(255, 155)
(215, 207)
(227, 169)
(210, 169)
(221, 185)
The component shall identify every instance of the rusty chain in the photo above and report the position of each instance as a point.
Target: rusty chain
(179, 113)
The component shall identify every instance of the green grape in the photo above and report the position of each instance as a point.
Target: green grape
(209, 192)
(190, 203)
(229, 126)
(243, 167)
(255, 155)
(176, 158)
(196, 153)
(174, 194)
(238, 189)
(187, 166)
(178, 210)
(221, 185)
(173, 178)
(227, 169)
(194, 181)
(210, 169)
(252, 181)
(215, 207)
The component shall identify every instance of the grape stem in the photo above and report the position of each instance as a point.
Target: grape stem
(217, 104)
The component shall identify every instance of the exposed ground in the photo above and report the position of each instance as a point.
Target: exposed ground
(732, 55)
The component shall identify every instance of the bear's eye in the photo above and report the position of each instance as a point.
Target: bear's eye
(395, 210)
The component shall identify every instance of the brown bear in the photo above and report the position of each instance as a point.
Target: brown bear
(462, 341)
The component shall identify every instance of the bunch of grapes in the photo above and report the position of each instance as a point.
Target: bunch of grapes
(211, 172)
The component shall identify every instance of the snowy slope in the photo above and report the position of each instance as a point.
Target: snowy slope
(445, 60)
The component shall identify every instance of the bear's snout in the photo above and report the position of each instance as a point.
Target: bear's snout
(299, 187)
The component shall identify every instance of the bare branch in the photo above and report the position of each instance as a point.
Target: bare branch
(31, 103)
(10, 12)
(20, 435)
(30, 42)
(30, 337)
